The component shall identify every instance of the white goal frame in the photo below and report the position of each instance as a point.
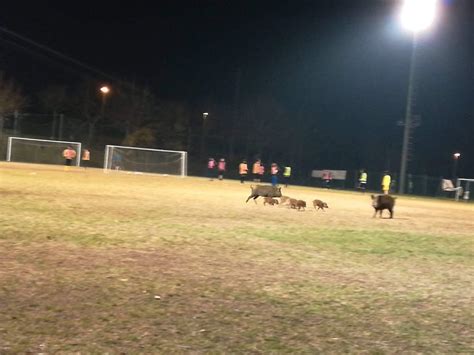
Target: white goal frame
(465, 192)
(184, 157)
(10, 142)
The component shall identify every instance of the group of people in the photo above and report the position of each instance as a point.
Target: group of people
(258, 171)
(69, 154)
(214, 167)
(386, 181)
(218, 168)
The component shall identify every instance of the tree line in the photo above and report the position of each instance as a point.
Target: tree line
(245, 127)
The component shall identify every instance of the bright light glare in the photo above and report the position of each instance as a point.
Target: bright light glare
(418, 15)
(105, 89)
(457, 155)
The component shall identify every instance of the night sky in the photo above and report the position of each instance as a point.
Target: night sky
(343, 63)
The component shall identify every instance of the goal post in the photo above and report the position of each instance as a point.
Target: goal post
(40, 151)
(145, 160)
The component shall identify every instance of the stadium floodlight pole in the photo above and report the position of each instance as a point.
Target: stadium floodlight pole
(104, 90)
(408, 122)
(203, 133)
(416, 16)
(456, 157)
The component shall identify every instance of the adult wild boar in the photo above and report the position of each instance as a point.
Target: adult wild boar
(264, 191)
(383, 202)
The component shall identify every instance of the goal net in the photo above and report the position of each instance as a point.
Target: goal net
(40, 151)
(464, 188)
(145, 160)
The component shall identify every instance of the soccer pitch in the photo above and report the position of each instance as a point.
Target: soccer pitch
(94, 262)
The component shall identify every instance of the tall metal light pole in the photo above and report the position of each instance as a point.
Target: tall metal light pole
(104, 90)
(456, 157)
(416, 16)
(203, 133)
(407, 124)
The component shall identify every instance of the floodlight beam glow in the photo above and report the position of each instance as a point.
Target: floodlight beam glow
(418, 15)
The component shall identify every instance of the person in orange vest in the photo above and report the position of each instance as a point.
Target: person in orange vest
(327, 177)
(256, 170)
(221, 168)
(274, 171)
(86, 157)
(243, 170)
(69, 154)
(211, 167)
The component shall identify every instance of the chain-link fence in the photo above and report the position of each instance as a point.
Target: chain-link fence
(37, 127)
(416, 185)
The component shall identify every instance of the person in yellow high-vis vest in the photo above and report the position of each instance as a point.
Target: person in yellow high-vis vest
(386, 181)
(362, 180)
(286, 174)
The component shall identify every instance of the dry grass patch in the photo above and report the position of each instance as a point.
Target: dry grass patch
(85, 254)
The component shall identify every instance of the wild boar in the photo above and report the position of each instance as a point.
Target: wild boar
(264, 191)
(293, 203)
(270, 200)
(383, 202)
(320, 205)
(284, 200)
(301, 204)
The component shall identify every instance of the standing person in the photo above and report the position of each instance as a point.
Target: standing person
(411, 186)
(286, 174)
(86, 157)
(221, 168)
(386, 180)
(327, 178)
(362, 180)
(243, 170)
(69, 154)
(211, 167)
(116, 160)
(261, 172)
(256, 170)
(274, 172)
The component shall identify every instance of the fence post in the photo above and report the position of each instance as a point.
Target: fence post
(16, 123)
(61, 126)
(53, 126)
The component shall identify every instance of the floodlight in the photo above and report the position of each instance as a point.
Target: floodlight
(105, 89)
(418, 15)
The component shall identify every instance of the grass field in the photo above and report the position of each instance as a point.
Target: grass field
(94, 262)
